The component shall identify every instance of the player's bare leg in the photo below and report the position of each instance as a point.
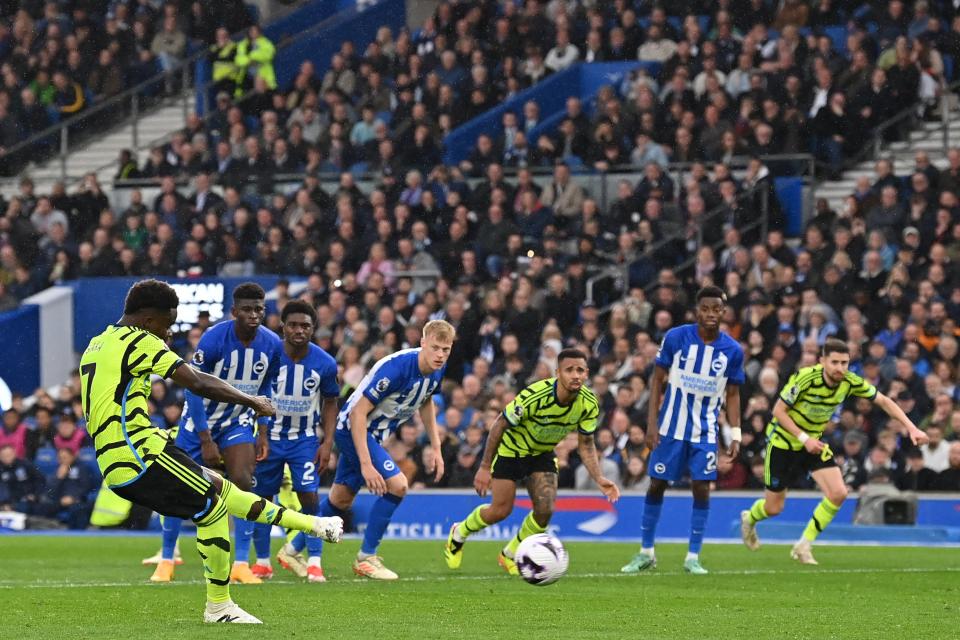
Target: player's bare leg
(698, 521)
(503, 493)
(368, 563)
(830, 481)
(646, 558)
(542, 488)
(239, 462)
(770, 505)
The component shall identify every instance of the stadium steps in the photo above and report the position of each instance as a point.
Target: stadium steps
(100, 154)
(927, 136)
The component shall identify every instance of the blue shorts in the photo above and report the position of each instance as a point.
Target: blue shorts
(348, 468)
(236, 434)
(300, 455)
(672, 458)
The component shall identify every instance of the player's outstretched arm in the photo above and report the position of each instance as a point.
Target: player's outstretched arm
(482, 479)
(209, 386)
(812, 445)
(428, 413)
(893, 410)
(588, 456)
(358, 431)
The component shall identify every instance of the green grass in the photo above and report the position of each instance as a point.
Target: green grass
(90, 587)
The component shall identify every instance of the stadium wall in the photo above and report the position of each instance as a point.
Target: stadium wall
(98, 302)
(588, 516)
(20, 365)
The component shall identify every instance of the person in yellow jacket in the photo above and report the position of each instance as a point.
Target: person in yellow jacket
(222, 53)
(254, 58)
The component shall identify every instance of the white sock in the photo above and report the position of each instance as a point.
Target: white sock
(313, 561)
(288, 549)
(692, 556)
(457, 536)
(361, 556)
(238, 563)
(214, 607)
(263, 562)
(649, 551)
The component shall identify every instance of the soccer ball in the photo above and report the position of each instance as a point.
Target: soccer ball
(541, 559)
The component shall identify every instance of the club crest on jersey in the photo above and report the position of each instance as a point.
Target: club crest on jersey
(660, 467)
(198, 356)
(719, 364)
(310, 384)
(259, 367)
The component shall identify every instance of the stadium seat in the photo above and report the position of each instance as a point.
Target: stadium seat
(88, 456)
(46, 460)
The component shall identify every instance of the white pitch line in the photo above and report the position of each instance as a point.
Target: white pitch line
(576, 576)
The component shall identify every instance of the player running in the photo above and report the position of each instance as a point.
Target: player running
(703, 369)
(245, 355)
(523, 438)
(397, 387)
(138, 461)
(305, 398)
(805, 406)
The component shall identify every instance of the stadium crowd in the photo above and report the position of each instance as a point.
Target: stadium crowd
(505, 258)
(58, 59)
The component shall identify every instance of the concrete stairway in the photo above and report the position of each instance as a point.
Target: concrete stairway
(928, 136)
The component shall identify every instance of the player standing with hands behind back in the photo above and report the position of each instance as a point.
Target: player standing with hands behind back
(805, 406)
(703, 367)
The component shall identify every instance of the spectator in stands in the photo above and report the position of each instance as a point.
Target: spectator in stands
(21, 485)
(14, 433)
(949, 478)
(68, 492)
(254, 59)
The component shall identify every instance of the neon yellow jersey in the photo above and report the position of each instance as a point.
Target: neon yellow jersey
(536, 423)
(811, 403)
(115, 374)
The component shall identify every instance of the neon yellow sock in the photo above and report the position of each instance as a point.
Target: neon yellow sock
(528, 528)
(758, 512)
(248, 506)
(472, 523)
(822, 516)
(213, 544)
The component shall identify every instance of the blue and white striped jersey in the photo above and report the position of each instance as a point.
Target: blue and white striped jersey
(396, 388)
(252, 369)
(697, 381)
(298, 395)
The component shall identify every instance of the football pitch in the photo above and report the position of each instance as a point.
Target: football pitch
(94, 587)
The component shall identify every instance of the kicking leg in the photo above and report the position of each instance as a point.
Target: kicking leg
(336, 504)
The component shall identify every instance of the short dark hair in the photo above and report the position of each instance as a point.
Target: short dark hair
(570, 353)
(834, 345)
(150, 294)
(298, 306)
(711, 292)
(249, 291)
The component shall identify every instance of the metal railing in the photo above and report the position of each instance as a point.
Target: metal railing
(899, 127)
(128, 105)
